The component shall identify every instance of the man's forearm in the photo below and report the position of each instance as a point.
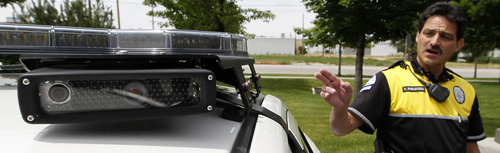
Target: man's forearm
(342, 122)
(472, 147)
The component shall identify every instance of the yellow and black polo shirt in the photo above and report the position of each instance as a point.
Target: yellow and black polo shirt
(408, 119)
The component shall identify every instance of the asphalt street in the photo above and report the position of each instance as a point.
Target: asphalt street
(310, 69)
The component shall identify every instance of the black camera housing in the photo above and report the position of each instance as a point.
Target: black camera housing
(34, 111)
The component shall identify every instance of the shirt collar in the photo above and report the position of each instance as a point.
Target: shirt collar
(445, 76)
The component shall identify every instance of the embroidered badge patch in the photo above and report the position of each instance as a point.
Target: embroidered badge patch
(369, 84)
(459, 94)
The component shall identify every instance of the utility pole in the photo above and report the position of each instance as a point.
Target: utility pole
(302, 52)
(153, 17)
(406, 48)
(118, 10)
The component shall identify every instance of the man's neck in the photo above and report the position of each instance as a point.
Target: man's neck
(435, 70)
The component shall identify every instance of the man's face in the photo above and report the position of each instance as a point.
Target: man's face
(437, 42)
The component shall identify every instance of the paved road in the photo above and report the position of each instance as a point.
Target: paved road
(310, 69)
(349, 70)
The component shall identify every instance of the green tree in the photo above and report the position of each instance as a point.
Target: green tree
(406, 45)
(4, 3)
(316, 36)
(43, 13)
(360, 22)
(207, 15)
(74, 13)
(483, 31)
(302, 50)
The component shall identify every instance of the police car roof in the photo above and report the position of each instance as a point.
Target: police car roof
(191, 133)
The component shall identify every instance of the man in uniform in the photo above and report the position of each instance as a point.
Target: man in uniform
(418, 105)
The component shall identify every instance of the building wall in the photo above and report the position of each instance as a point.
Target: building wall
(263, 46)
(496, 53)
(383, 49)
(288, 46)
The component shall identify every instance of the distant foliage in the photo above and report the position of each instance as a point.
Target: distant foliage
(356, 23)
(4, 3)
(207, 15)
(484, 60)
(71, 13)
(302, 50)
(483, 27)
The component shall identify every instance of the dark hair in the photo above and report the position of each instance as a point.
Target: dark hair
(450, 11)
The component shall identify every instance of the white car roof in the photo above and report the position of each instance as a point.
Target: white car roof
(206, 132)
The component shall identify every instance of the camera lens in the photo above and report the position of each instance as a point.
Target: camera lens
(59, 93)
(136, 90)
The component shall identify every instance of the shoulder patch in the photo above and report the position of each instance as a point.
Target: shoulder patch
(369, 84)
(459, 94)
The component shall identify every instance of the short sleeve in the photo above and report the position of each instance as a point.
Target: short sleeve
(476, 130)
(371, 105)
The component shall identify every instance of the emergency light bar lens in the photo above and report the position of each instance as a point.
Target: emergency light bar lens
(138, 39)
(70, 96)
(197, 42)
(97, 39)
(24, 38)
(18, 38)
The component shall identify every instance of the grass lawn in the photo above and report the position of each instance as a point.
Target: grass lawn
(329, 59)
(312, 113)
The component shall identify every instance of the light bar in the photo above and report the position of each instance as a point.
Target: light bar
(38, 39)
(54, 95)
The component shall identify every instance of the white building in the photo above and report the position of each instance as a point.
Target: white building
(383, 49)
(287, 46)
(495, 53)
(263, 46)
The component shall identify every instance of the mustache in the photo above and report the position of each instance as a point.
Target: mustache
(434, 48)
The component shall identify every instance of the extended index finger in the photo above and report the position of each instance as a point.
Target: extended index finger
(325, 76)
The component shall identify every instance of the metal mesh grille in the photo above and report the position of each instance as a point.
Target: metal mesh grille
(94, 95)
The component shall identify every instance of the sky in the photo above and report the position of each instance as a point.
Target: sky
(289, 14)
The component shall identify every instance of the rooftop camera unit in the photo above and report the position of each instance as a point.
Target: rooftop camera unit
(86, 74)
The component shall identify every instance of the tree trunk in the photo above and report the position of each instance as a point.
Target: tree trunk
(409, 38)
(475, 66)
(340, 60)
(323, 52)
(360, 53)
(220, 26)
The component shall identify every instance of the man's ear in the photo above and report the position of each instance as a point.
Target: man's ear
(416, 37)
(460, 44)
